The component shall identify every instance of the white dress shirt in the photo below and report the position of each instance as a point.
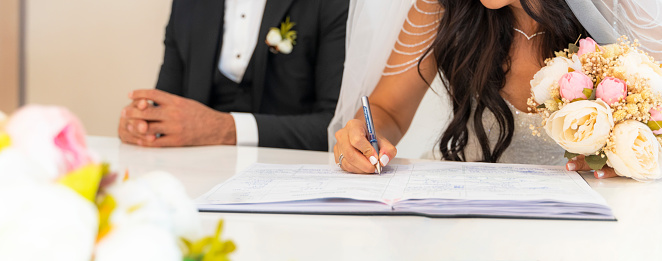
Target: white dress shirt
(241, 29)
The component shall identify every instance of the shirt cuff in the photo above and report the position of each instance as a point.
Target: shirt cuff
(246, 128)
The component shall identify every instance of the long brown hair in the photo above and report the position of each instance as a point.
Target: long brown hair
(472, 50)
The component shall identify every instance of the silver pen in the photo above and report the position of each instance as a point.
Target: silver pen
(372, 135)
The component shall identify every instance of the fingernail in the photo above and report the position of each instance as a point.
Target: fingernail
(571, 166)
(373, 160)
(384, 160)
(600, 173)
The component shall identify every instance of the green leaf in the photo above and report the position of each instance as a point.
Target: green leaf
(573, 48)
(541, 106)
(570, 155)
(596, 162)
(587, 92)
(654, 125)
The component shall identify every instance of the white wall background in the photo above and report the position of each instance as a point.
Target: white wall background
(87, 55)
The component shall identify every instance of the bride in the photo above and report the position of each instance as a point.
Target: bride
(486, 52)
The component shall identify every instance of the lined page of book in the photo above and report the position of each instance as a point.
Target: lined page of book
(438, 189)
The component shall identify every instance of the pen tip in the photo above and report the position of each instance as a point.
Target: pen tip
(379, 168)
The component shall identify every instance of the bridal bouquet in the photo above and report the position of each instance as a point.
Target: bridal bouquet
(57, 202)
(604, 102)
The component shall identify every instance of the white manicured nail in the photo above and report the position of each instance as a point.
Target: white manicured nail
(571, 166)
(600, 173)
(384, 160)
(373, 160)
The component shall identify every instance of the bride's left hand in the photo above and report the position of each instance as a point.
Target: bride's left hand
(578, 164)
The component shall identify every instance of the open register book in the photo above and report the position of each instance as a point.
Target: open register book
(439, 189)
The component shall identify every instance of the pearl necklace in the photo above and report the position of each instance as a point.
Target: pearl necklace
(526, 35)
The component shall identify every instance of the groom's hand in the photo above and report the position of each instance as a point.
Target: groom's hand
(176, 121)
(578, 164)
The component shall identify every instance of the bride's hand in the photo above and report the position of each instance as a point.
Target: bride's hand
(358, 155)
(578, 164)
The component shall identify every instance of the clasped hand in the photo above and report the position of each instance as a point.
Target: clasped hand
(159, 119)
(358, 154)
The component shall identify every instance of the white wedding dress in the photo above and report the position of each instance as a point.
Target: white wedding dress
(373, 24)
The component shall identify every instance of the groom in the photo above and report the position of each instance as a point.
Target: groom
(220, 82)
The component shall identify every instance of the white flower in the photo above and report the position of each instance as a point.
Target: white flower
(285, 46)
(544, 79)
(16, 166)
(155, 198)
(636, 153)
(45, 222)
(638, 64)
(138, 242)
(581, 127)
(274, 37)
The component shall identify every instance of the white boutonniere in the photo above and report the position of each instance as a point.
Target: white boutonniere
(283, 39)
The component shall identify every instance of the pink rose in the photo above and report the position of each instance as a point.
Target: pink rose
(586, 45)
(52, 137)
(611, 90)
(656, 115)
(573, 85)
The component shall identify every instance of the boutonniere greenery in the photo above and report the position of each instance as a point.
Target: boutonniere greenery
(283, 39)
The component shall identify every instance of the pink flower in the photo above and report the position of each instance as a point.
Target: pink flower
(586, 45)
(51, 136)
(611, 90)
(656, 115)
(573, 85)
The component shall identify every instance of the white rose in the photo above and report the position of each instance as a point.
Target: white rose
(544, 79)
(274, 37)
(581, 127)
(46, 222)
(138, 242)
(285, 46)
(635, 63)
(636, 153)
(163, 202)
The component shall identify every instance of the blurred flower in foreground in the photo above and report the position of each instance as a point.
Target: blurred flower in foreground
(58, 203)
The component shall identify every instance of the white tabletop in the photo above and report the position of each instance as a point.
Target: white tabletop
(637, 235)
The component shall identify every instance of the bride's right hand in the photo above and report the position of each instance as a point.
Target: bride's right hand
(358, 155)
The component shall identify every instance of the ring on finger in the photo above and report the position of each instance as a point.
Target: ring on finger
(340, 160)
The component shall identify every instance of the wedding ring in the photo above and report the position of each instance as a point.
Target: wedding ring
(340, 160)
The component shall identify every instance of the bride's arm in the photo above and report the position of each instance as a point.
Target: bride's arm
(397, 95)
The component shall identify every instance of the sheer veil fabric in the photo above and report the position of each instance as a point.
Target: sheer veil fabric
(606, 20)
(374, 27)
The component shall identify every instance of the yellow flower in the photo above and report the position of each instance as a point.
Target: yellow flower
(210, 248)
(85, 180)
(5, 141)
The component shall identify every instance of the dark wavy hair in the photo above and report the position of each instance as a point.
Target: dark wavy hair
(472, 53)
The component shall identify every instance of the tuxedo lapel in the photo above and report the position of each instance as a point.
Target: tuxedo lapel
(274, 14)
(206, 28)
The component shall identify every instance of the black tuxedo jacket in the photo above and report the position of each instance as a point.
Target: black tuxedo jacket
(293, 95)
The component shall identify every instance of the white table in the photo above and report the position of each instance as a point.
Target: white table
(637, 235)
